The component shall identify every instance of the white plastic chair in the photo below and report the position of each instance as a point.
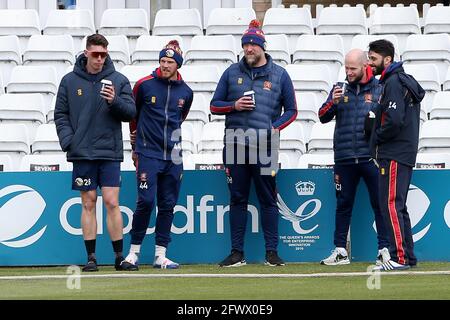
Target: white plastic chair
(15, 141)
(211, 50)
(321, 139)
(20, 22)
(435, 136)
(148, 48)
(436, 20)
(10, 55)
(361, 41)
(46, 140)
(440, 109)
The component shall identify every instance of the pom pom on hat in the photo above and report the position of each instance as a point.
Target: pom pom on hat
(254, 34)
(172, 50)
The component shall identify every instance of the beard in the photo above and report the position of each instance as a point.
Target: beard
(357, 79)
(253, 59)
(377, 70)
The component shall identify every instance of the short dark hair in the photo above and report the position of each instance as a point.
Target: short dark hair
(383, 47)
(96, 40)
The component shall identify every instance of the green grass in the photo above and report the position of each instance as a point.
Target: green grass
(392, 287)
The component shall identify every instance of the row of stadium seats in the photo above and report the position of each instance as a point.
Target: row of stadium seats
(347, 21)
(16, 141)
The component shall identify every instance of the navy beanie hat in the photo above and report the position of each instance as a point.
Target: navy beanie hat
(254, 34)
(172, 50)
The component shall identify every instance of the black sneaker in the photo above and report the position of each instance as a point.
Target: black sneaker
(123, 265)
(235, 259)
(90, 266)
(273, 260)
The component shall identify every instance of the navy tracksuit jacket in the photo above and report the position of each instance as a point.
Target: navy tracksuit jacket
(273, 92)
(395, 140)
(352, 155)
(161, 106)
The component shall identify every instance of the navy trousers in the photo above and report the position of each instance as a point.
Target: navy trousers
(239, 177)
(393, 188)
(160, 179)
(346, 179)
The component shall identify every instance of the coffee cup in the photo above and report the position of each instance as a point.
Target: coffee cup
(250, 94)
(105, 82)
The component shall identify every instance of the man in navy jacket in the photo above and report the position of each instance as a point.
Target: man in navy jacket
(351, 151)
(163, 101)
(394, 141)
(88, 121)
(252, 94)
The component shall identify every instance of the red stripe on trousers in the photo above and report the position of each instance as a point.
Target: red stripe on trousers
(393, 212)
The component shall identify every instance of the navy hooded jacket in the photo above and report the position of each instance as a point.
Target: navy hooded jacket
(88, 127)
(396, 130)
(350, 143)
(162, 105)
(273, 92)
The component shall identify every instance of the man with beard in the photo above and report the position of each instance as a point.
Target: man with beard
(351, 151)
(252, 94)
(163, 101)
(394, 142)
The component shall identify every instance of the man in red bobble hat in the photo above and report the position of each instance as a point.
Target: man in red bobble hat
(163, 101)
(258, 100)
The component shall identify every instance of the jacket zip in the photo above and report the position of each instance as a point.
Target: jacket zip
(167, 120)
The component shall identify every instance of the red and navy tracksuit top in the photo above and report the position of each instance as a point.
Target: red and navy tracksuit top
(161, 107)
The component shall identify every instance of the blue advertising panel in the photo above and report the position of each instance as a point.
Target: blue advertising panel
(428, 206)
(40, 219)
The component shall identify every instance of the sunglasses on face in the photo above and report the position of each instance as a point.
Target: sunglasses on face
(100, 54)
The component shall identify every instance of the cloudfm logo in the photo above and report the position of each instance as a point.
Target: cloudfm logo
(417, 204)
(20, 209)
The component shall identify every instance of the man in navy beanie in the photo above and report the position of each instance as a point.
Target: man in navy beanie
(163, 101)
(258, 100)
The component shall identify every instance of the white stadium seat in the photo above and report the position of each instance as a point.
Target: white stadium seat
(15, 141)
(446, 84)
(203, 161)
(46, 140)
(182, 22)
(10, 55)
(148, 47)
(234, 21)
(6, 163)
(187, 139)
(435, 136)
(314, 78)
(321, 139)
(212, 138)
(361, 41)
(307, 108)
(77, 23)
(345, 21)
(34, 79)
(198, 115)
(325, 49)
(401, 21)
(292, 22)
(211, 50)
(201, 78)
(292, 145)
(436, 20)
(429, 48)
(440, 108)
(54, 50)
(135, 73)
(26, 108)
(428, 77)
(21, 22)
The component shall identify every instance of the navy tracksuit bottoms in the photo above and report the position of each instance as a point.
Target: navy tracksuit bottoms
(160, 179)
(239, 177)
(346, 179)
(394, 183)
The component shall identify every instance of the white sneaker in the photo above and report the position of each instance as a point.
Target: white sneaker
(390, 266)
(383, 256)
(164, 263)
(132, 258)
(338, 256)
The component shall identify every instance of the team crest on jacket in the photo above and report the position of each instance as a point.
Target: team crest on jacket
(240, 80)
(79, 92)
(180, 103)
(267, 85)
(345, 99)
(153, 99)
(368, 97)
(143, 177)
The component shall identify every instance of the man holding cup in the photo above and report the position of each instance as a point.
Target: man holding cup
(91, 104)
(252, 95)
(349, 105)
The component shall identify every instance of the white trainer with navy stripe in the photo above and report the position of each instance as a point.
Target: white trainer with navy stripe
(391, 265)
(338, 256)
